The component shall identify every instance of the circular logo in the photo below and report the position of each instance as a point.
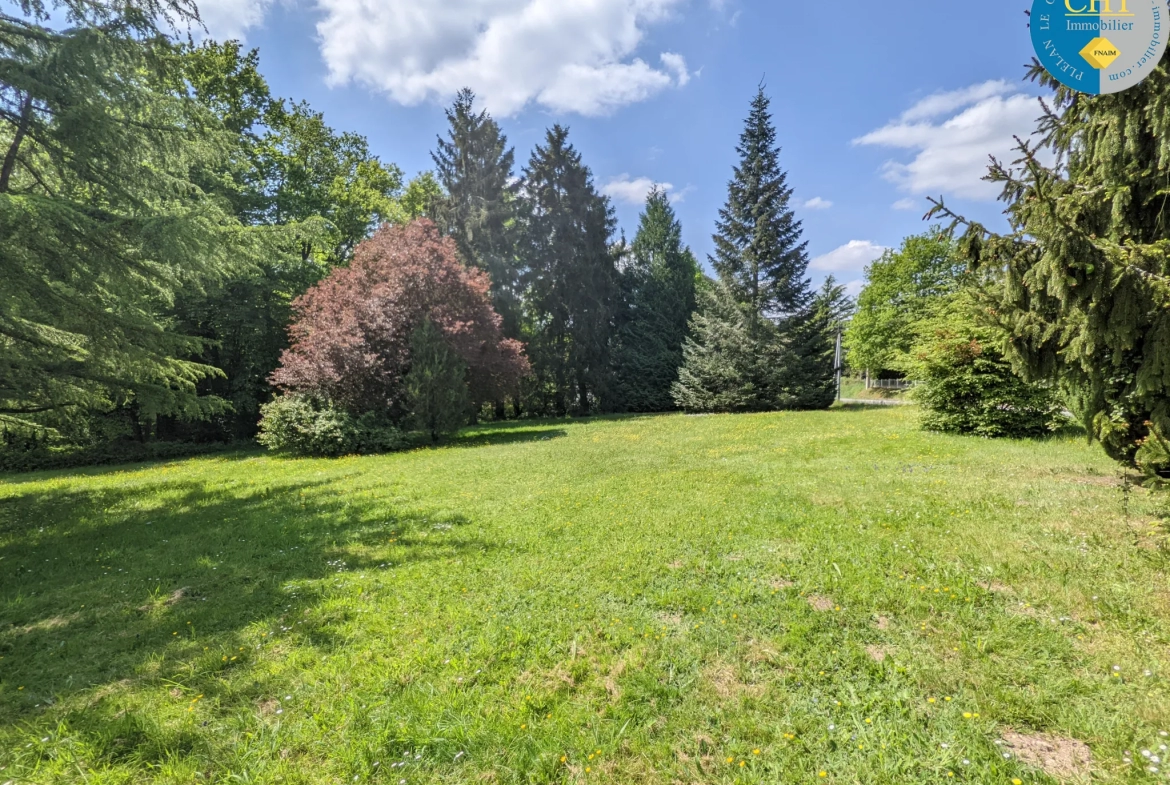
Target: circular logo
(1100, 46)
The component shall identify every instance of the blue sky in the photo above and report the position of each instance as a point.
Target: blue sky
(877, 105)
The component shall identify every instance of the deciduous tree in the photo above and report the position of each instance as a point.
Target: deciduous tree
(352, 332)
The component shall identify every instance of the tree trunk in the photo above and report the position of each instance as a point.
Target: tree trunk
(21, 130)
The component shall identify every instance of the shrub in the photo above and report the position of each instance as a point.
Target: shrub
(967, 386)
(302, 425)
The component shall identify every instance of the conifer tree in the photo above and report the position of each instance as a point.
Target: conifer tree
(810, 372)
(100, 221)
(437, 396)
(759, 253)
(659, 296)
(1085, 299)
(732, 359)
(474, 166)
(570, 277)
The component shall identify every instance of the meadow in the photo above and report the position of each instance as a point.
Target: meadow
(777, 598)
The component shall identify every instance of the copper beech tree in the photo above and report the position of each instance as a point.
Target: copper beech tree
(351, 333)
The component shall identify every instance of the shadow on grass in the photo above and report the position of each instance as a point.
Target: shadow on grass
(105, 587)
(495, 437)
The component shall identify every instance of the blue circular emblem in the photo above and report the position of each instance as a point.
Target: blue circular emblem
(1100, 46)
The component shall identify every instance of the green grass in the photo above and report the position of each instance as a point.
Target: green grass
(612, 601)
(855, 389)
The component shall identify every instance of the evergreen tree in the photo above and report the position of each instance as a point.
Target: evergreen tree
(1085, 299)
(101, 219)
(474, 166)
(659, 296)
(810, 372)
(436, 386)
(570, 277)
(732, 360)
(759, 253)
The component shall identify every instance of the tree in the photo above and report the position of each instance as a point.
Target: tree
(732, 359)
(659, 294)
(759, 253)
(102, 220)
(436, 386)
(809, 372)
(570, 276)
(901, 289)
(967, 385)
(474, 167)
(351, 338)
(1085, 300)
(316, 192)
(422, 198)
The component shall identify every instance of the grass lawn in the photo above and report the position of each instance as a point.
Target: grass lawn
(855, 389)
(783, 598)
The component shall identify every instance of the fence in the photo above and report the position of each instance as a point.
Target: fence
(888, 384)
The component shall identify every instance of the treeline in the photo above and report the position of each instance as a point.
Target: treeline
(170, 231)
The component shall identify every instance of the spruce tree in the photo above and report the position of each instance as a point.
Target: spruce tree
(659, 294)
(436, 386)
(759, 253)
(732, 359)
(474, 166)
(570, 277)
(1085, 295)
(810, 371)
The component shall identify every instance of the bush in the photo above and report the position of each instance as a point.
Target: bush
(966, 385)
(301, 425)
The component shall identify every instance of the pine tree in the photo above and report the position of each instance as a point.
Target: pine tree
(659, 295)
(101, 223)
(570, 277)
(809, 371)
(1085, 299)
(732, 360)
(474, 166)
(436, 385)
(759, 253)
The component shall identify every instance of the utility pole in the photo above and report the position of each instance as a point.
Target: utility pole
(837, 362)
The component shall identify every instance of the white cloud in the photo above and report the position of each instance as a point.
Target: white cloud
(226, 19)
(565, 55)
(629, 190)
(817, 203)
(853, 288)
(853, 256)
(906, 204)
(952, 136)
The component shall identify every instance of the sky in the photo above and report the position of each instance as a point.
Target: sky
(877, 105)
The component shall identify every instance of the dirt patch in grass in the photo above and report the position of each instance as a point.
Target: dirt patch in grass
(820, 603)
(877, 653)
(882, 623)
(554, 680)
(725, 681)
(780, 583)
(761, 653)
(267, 707)
(675, 565)
(1057, 756)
